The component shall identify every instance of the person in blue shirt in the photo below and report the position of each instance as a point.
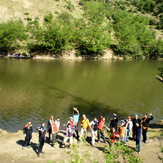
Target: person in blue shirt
(138, 136)
(42, 132)
(76, 120)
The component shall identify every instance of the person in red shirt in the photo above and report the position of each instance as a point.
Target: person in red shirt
(100, 131)
(71, 122)
(113, 136)
(54, 133)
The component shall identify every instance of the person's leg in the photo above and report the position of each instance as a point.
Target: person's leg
(41, 143)
(145, 135)
(76, 131)
(70, 140)
(98, 132)
(86, 133)
(50, 131)
(26, 142)
(103, 136)
(128, 134)
(93, 137)
(139, 143)
(125, 137)
(30, 137)
(81, 132)
(54, 137)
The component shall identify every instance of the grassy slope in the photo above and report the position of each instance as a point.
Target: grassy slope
(15, 9)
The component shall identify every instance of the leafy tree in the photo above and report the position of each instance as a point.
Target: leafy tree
(11, 34)
(93, 35)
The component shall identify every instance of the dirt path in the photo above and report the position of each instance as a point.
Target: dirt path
(11, 150)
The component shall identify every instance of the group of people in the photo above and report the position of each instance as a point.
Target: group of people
(117, 133)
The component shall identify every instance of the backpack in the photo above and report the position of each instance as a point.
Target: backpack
(95, 126)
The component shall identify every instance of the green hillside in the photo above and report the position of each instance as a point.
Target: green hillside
(130, 28)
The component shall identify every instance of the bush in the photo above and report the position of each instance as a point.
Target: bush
(11, 34)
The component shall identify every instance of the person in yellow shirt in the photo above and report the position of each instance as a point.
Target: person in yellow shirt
(84, 126)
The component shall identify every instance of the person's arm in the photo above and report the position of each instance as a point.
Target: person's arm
(125, 123)
(75, 109)
(151, 116)
(39, 129)
(90, 124)
(107, 127)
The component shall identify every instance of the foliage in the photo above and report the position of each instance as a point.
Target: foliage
(69, 5)
(93, 35)
(120, 150)
(11, 34)
(104, 24)
(48, 18)
(132, 33)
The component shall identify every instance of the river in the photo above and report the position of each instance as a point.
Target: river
(35, 89)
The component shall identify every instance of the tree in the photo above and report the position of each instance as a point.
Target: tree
(11, 34)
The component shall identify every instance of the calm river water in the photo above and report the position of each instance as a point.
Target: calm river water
(35, 89)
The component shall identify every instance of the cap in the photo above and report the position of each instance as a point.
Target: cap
(129, 117)
(71, 118)
(136, 115)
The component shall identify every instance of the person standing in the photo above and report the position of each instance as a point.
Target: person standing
(28, 132)
(129, 126)
(113, 137)
(69, 135)
(138, 136)
(76, 120)
(135, 120)
(49, 126)
(84, 126)
(42, 132)
(54, 133)
(100, 131)
(71, 122)
(145, 125)
(58, 121)
(94, 127)
(114, 122)
(122, 130)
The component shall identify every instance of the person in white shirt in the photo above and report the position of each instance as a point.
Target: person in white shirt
(129, 126)
(94, 127)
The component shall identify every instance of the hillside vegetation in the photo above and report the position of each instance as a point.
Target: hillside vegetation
(130, 28)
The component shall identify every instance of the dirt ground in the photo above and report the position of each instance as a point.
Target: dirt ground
(11, 149)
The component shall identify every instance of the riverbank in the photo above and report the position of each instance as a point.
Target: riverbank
(66, 55)
(11, 148)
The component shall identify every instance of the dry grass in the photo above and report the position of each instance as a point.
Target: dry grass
(15, 9)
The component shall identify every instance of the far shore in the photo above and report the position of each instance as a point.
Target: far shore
(71, 55)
